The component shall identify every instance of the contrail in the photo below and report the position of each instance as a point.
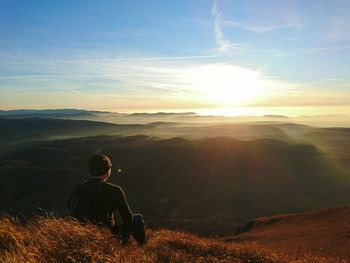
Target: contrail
(222, 43)
(219, 36)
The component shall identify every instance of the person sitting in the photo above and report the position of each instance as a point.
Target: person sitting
(96, 201)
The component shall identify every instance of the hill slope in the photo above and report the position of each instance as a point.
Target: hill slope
(317, 236)
(58, 240)
(323, 233)
(63, 240)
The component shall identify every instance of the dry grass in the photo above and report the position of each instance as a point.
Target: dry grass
(64, 240)
(321, 233)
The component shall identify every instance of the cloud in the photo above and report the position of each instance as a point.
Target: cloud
(109, 60)
(303, 51)
(258, 28)
(222, 43)
(163, 81)
(323, 49)
(262, 19)
(294, 39)
(339, 28)
(338, 21)
(132, 77)
(123, 33)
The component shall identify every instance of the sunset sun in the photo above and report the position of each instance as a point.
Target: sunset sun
(227, 85)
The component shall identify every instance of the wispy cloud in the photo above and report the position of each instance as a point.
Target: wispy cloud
(293, 39)
(157, 75)
(339, 22)
(323, 49)
(303, 51)
(109, 60)
(222, 43)
(284, 18)
(258, 28)
(157, 84)
(54, 76)
(123, 33)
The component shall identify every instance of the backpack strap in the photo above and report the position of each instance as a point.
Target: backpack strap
(78, 200)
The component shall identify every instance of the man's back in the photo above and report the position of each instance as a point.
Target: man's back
(96, 200)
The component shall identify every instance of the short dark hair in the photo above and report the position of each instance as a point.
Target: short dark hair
(99, 164)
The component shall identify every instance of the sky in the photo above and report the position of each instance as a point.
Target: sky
(223, 56)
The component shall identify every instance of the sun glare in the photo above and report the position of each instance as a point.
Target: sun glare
(227, 85)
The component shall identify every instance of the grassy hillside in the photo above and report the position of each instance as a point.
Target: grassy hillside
(62, 240)
(323, 233)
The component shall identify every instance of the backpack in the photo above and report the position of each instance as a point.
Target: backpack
(79, 203)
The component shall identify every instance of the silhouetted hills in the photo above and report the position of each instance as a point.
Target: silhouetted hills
(200, 177)
(106, 116)
(216, 182)
(178, 117)
(13, 131)
(24, 112)
(334, 143)
(165, 114)
(245, 131)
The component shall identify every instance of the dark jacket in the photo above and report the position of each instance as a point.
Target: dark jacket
(96, 200)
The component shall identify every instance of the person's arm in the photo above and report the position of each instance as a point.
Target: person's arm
(128, 227)
(123, 208)
(121, 204)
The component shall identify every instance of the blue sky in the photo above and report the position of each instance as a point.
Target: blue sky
(166, 55)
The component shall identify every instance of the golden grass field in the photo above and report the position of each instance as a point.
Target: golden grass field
(46, 239)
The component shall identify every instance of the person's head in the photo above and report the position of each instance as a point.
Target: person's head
(100, 166)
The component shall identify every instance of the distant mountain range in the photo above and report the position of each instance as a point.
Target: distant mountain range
(132, 118)
(29, 113)
(49, 111)
(15, 131)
